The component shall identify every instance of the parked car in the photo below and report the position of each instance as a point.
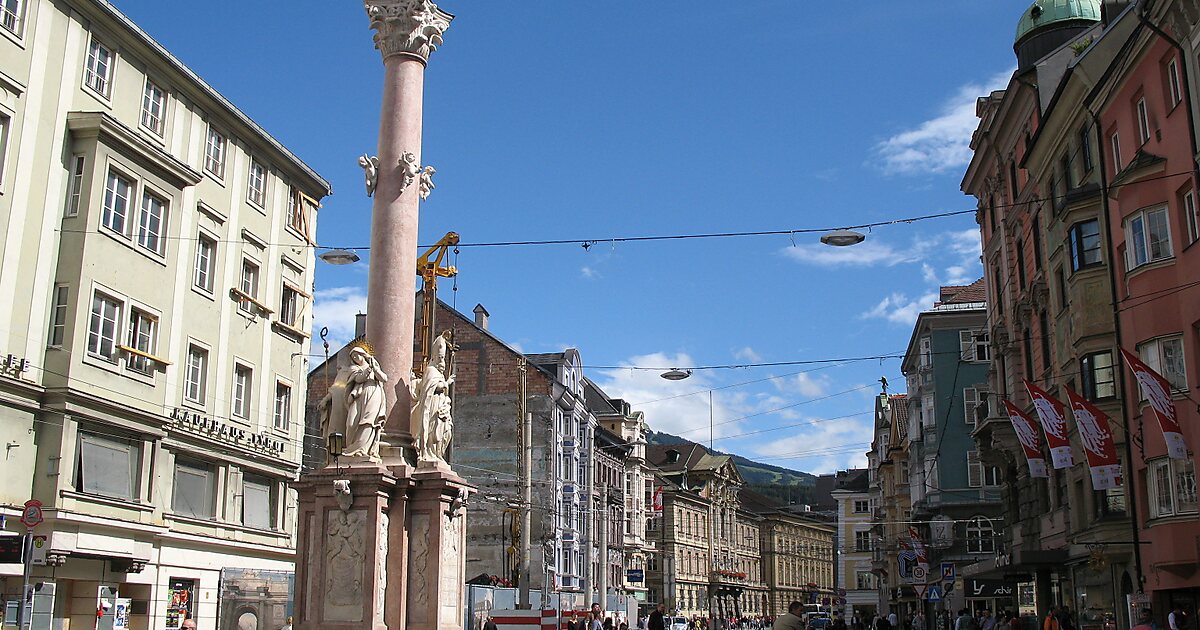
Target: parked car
(677, 623)
(818, 621)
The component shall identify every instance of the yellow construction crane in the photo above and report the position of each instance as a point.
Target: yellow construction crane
(430, 271)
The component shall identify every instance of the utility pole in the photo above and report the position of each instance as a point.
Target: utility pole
(525, 433)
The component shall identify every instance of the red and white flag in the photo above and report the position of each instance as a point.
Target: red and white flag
(1027, 433)
(1157, 390)
(657, 501)
(1053, 415)
(1098, 443)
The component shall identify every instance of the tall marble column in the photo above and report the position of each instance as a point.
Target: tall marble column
(406, 32)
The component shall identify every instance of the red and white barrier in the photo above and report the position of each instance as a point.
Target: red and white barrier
(525, 619)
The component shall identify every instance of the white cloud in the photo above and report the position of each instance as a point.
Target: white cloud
(747, 354)
(941, 143)
(822, 446)
(335, 308)
(589, 272)
(899, 309)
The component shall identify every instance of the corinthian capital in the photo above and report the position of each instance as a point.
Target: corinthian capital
(412, 27)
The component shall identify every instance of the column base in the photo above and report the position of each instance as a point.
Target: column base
(437, 548)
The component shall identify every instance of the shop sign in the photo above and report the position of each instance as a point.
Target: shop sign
(635, 575)
(14, 366)
(1002, 560)
(199, 424)
(988, 588)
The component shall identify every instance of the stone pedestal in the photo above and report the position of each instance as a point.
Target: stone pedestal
(344, 544)
(390, 556)
(437, 549)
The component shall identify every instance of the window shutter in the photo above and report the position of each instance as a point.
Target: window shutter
(193, 491)
(974, 470)
(970, 401)
(966, 345)
(256, 503)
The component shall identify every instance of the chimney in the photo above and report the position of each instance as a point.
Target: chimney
(360, 325)
(481, 316)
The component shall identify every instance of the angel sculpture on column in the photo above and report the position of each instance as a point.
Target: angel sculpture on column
(427, 182)
(409, 170)
(431, 403)
(370, 167)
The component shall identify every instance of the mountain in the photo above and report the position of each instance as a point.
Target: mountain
(784, 485)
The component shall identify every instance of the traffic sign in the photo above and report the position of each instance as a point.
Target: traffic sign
(841, 592)
(948, 572)
(934, 594)
(32, 515)
(920, 589)
(948, 586)
(920, 574)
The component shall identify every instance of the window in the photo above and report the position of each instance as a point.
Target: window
(1172, 487)
(118, 193)
(928, 413)
(97, 75)
(287, 306)
(1189, 217)
(991, 476)
(249, 286)
(102, 327)
(154, 106)
(1165, 356)
(980, 536)
(1044, 325)
(1020, 263)
(76, 190)
(1108, 502)
(1012, 181)
(973, 345)
(904, 471)
(1148, 237)
(143, 329)
(283, 406)
(58, 316)
(974, 470)
(970, 401)
(257, 186)
(107, 466)
(214, 153)
(1085, 149)
(1115, 141)
(150, 223)
(1028, 343)
(1098, 376)
(1173, 82)
(1061, 275)
(196, 376)
(862, 541)
(861, 506)
(1143, 122)
(195, 492)
(242, 379)
(1064, 165)
(1085, 245)
(11, 15)
(926, 352)
(257, 504)
(206, 262)
(1036, 236)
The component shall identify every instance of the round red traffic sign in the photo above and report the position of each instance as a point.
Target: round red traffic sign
(31, 516)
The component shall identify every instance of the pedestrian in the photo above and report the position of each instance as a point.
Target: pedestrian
(1145, 622)
(882, 623)
(188, 624)
(893, 620)
(918, 622)
(608, 623)
(1066, 620)
(791, 619)
(987, 621)
(596, 621)
(1003, 621)
(490, 624)
(1050, 621)
(838, 622)
(965, 621)
(288, 625)
(656, 622)
(1175, 620)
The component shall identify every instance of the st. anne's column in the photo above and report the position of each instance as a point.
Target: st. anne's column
(406, 32)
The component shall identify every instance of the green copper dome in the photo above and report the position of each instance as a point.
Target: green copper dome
(1045, 12)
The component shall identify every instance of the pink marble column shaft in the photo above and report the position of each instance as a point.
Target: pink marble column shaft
(391, 300)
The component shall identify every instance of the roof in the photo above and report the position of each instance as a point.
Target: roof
(210, 91)
(1043, 13)
(899, 407)
(964, 294)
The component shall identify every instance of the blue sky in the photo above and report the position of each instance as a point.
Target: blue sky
(591, 120)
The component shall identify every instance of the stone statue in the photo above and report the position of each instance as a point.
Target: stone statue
(366, 406)
(370, 167)
(427, 182)
(409, 170)
(333, 406)
(431, 403)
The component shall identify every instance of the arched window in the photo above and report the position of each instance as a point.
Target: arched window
(981, 537)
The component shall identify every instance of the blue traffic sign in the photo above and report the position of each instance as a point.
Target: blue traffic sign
(934, 594)
(947, 571)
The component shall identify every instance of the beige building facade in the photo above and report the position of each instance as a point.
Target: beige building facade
(155, 289)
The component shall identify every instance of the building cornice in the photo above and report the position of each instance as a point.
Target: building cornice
(100, 124)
